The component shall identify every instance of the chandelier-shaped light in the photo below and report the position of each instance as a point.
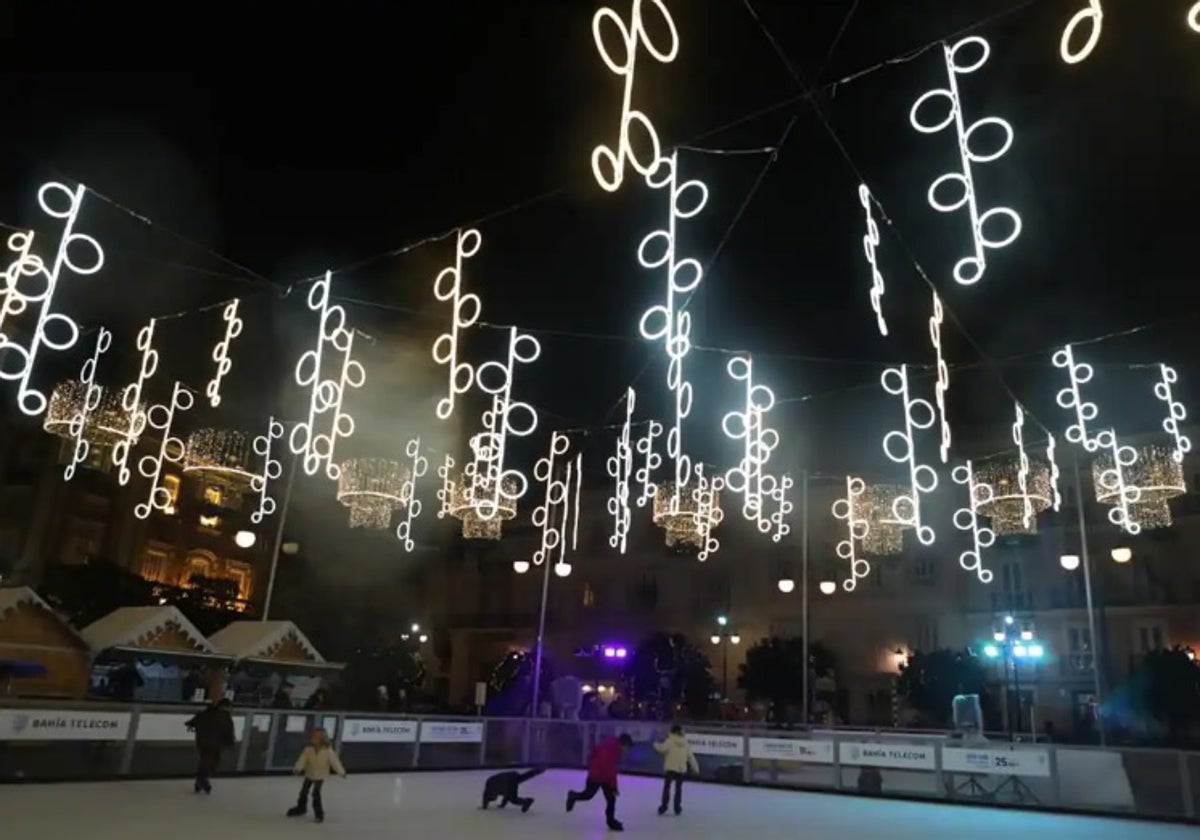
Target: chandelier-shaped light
(848, 509)
(620, 467)
(943, 377)
(372, 488)
(76, 252)
(1071, 398)
(272, 469)
(418, 466)
(170, 450)
(651, 461)
(633, 36)
(697, 514)
(1094, 16)
(220, 353)
(759, 441)
(1112, 474)
(900, 447)
(967, 519)
(970, 269)
(870, 243)
(221, 458)
(1055, 473)
(81, 419)
(668, 321)
(884, 536)
(461, 492)
(1175, 411)
(1008, 503)
(105, 425)
(326, 395)
(464, 312)
(131, 402)
(1150, 476)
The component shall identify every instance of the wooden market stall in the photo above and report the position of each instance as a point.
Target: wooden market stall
(276, 650)
(41, 655)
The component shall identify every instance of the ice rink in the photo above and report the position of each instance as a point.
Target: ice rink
(435, 805)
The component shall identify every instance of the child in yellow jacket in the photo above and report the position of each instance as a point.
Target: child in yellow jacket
(317, 762)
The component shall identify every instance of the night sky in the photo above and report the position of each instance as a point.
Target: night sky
(333, 134)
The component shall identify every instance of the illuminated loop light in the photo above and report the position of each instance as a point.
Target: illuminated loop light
(220, 353)
(419, 466)
(91, 401)
(1018, 436)
(759, 442)
(968, 270)
(943, 376)
(651, 461)
(1055, 473)
(131, 402)
(856, 531)
(870, 243)
(272, 469)
(76, 252)
(1112, 481)
(620, 467)
(967, 519)
(899, 447)
(574, 473)
(445, 493)
(555, 498)
(1071, 398)
(1176, 413)
(667, 321)
(464, 313)
(708, 511)
(1093, 17)
(309, 438)
(783, 508)
(608, 165)
(170, 450)
(1193, 17)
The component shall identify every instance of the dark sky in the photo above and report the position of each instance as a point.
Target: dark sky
(316, 135)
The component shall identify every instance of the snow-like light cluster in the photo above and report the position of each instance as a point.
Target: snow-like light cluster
(1094, 16)
(418, 466)
(620, 467)
(170, 450)
(272, 469)
(943, 376)
(91, 401)
(220, 353)
(1175, 410)
(1055, 473)
(918, 414)
(633, 36)
(555, 497)
(870, 243)
(967, 519)
(1018, 436)
(326, 394)
(651, 461)
(1113, 481)
(856, 532)
(52, 330)
(131, 401)
(668, 321)
(1071, 398)
(464, 313)
(970, 269)
(759, 441)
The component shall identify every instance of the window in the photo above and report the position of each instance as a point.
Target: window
(589, 595)
(170, 483)
(212, 499)
(154, 566)
(923, 570)
(1079, 648)
(1150, 637)
(927, 635)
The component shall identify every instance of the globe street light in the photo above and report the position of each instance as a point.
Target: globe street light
(1070, 562)
(245, 539)
(1014, 647)
(1122, 554)
(520, 566)
(828, 587)
(787, 586)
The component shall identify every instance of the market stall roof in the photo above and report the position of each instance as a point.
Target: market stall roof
(162, 630)
(270, 642)
(12, 597)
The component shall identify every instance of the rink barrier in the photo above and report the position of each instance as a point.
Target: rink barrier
(46, 741)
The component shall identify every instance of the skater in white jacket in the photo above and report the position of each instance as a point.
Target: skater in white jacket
(316, 763)
(678, 759)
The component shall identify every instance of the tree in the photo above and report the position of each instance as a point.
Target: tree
(928, 682)
(667, 669)
(86, 593)
(510, 685)
(774, 672)
(1169, 683)
(396, 666)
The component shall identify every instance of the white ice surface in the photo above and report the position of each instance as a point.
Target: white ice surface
(431, 806)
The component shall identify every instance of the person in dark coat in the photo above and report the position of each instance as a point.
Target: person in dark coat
(214, 732)
(283, 697)
(602, 776)
(506, 787)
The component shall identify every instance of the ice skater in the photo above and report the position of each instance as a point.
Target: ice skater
(316, 762)
(602, 776)
(506, 787)
(214, 732)
(678, 760)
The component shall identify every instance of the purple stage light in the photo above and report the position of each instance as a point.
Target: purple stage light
(610, 652)
(622, 653)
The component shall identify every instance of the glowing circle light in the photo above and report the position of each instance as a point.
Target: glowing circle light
(271, 470)
(846, 509)
(555, 498)
(1093, 16)
(620, 467)
(651, 461)
(170, 450)
(465, 309)
(1176, 413)
(220, 353)
(967, 519)
(418, 466)
(1071, 398)
(131, 401)
(870, 243)
(900, 447)
(1111, 481)
(92, 393)
(759, 442)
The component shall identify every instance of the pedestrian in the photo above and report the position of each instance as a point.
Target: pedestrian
(283, 697)
(602, 776)
(506, 787)
(678, 760)
(316, 763)
(214, 732)
(316, 700)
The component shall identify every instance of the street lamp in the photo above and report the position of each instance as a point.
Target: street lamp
(1070, 562)
(1122, 554)
(828, 587)
(787, 586)
(245, 539)
(1014, 647)
(724, 633)
(520, 566)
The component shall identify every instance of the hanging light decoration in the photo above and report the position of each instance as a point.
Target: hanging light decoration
(1112, 475)
(464, 313)
(651, 461)
(105, 425)
(474, 526)
(272, 469)
(874, 506)
(943, 377)
(967, 519)
(690, 520)
(620, 467)
(1055, 473)
(848, 510)
(1176, 413)
(131, 402)
(1193, 18)
(170, 450)
(1094, 15)
(900, 447)
(1008, 503)
(759, 441)
(89, 403)
(372, 488)
(870, 243)
(1150, 481)
(220, 353)
(221, 458)
(1071, 398)
(555, 497)
(420, 466)
(778, 494)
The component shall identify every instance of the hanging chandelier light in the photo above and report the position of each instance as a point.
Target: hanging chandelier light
(222, 458)
(373, 488)
(463, 505)
(689, 515)
(873, 506)
(1007, 507)
(1156, 476)
(106, 424)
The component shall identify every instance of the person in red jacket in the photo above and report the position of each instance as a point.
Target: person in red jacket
(602, 776)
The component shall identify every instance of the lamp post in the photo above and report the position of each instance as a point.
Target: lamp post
(729, 637)
(1013, 647)
(277, 543)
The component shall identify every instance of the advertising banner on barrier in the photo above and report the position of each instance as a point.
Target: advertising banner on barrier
(706, 743)
(1000, 762)
(167, 728)
(897, 756)
(792, 749)
(357, 731)
(449, 732)
(52, 725)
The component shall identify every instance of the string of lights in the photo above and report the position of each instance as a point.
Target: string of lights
(220, 353)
